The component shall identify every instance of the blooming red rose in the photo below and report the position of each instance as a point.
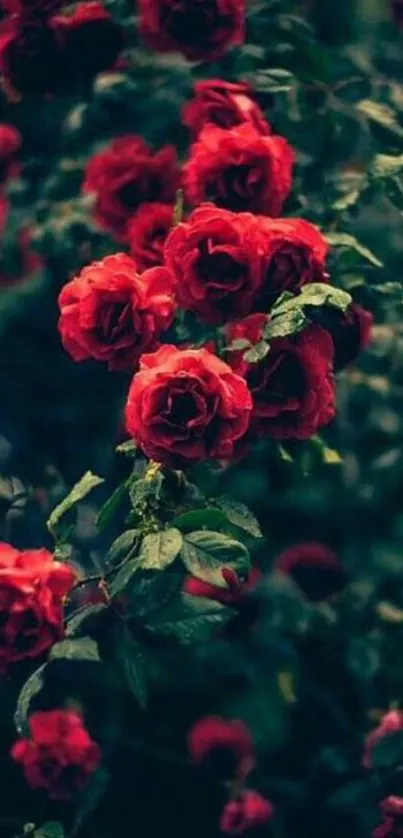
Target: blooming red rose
(292, 387)
(126, 174)
(391, 723)
(32, 588)
(239, 169)
(187, 405)
(147, 232)
(232, 594)
(216, 258)
(351, 332)
(392, 825)
(246, 811)
(200, 30)
(213, 737)
(90, 39)
(222, 103)
(112, 313)
(30, 57)
(10, 143)
(294, 254)
(314, 567)
(59, 756)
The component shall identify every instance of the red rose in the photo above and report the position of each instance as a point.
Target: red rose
(222, 103)
(392, 825)
(187, 405)
(112, 313)
(201, 31)
(351, 332)
(314, 568)
(147, 232)
(292, 387)
(32, 9)
(239, 169)
(126, 174)
(60, 755)
(30, 57)
(10, 143)
(216, 258)
(32, 588)
(391, 723)
(294, 254)
(246, 811)
(90, 38)
(233, 594)
(212, 735)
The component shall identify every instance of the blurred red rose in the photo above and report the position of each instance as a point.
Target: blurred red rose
(147, 232)
(351, 332)
(391, 723)
(90, 40)
(59, 756)
(30, 57)
(248, 810)
(314, 567)
(126, 174)
(214, 736)
(232, 594)
(187, 405)
(10, 143)
(239, 169)
(292, 387)
(392, 825)
(112, 313)
(222, 103)
(32, 588)
(200, 31)
(216, 258)
(32, 9)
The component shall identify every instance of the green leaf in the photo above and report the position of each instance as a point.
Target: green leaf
(349, 199)
(257, 352)
(381, 115)
(288, 323)
(79, 648)
(199, 518)
(84, 486)
(275, 80)
(128, 447)
(348, 241)
(123, 547)
(131, 657)
(110, 507)
(149, 591)
(239, 344)
(146, 493)
(239, 515)
(320, 294)
(205, 553)
(30, 689)
(160, 549)
(329, 456)
(190, 619)
(386, 165)
(85, 619)
(53, 829)
(178, 208)
(124, 576)
(284, 454)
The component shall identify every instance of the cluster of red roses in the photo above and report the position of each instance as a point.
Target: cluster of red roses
(45, 51)
(226, 264)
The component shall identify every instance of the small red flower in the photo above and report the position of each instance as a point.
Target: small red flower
(232, 594)
(59, 756)
(314, 567)
(186, 406)
(200, 30)
(32, 589)
(126, 174)
(239, 170)
(216, 257)
(91, 40)
(391, 723)
(292, 387)
(10, 143)
(147, 232)
(214, 734)
(392, 825)
(225, 104)
(248, 810)
(112, 313)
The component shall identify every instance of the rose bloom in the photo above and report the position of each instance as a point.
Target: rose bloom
(292, 387)
(10, 143)
(30, 58)
(90, 39)
(222, 103)
(212, 738)
(216, 259)
(234, 592)
(294, 254)
(392, 825)
(147, 232)
(32, 588)
(185, 406)
(112, 313)
(126, 174)
(248, 810)
(201, 31)
(391, 723)
(59, 756)
(314, 568)
(240, 170)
